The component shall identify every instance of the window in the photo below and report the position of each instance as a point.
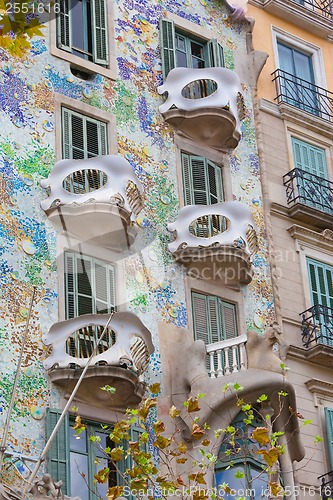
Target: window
(213, 319)
(321, 288)
(182, 50)
(297, 78)
(329, 430)
(82, 137)
(89, 289)
(202, 183)
(82, 29)
(89, 285)
(245, 460)
(69, 457)
(314, 188)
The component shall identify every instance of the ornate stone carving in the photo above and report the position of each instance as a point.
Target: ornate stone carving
(46, 489)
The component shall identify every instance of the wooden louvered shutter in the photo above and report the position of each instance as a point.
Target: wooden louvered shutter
(64, 35)
(70, 285)
(321, 283)
(214, 177)
(100, 35)
(200, 193)
(214, 324)
(200, 318)
(228, 320)
(215, 54)
(66, 134)
(187, 179)
(85, 302)
(77, 136)
(112, 288)
(103, 142)
(58, 454)
(101, 287)
(309, 158)
(168, 53)
(329, 430)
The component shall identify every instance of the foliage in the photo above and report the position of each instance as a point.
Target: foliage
(177, 470)
(20, 21)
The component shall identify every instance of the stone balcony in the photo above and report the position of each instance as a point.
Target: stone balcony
(205, 105)
(94, 200)
(215, 242)
(120, 360)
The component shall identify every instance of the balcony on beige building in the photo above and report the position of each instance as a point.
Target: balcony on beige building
(310, 99)
(309, 198)
(317, 334)
(120, 358)
(205, 105)
(94, 200)
(215, 242)
(326, 485)
(315, 16)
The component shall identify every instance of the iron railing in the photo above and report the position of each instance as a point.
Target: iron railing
(321, 7)
(326, 485)
(309, 189)
(303, 94)
(317, 326)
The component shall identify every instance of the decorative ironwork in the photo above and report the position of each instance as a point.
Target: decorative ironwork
(326, 485)
(309, 189)
(317, 326)
(321, 7)
(303, 94)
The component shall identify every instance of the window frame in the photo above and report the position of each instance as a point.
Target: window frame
(109, 71)
(101, 130)
(93, 261)
(191, 31)
(303, 46)
(89, 111)
(219, 302)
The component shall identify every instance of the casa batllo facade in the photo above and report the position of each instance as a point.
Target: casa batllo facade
(131, 184)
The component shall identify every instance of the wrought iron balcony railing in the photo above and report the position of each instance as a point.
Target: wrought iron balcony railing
(326, 485)
(309, 189)
(317, 326)
(321, 7)
(303, 94)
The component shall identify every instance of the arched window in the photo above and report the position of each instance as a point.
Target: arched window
(239, 465)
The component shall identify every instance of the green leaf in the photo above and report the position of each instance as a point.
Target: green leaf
(262, 398)
(109, 389)
(307, 422)
(238, 387)
(239, 474)
(318, 439)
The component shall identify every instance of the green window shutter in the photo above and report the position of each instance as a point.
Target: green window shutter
(63, 20)
(309, 158)
(66, 133)
(200, 318)
(103, 142)
(214, 177)
(200, 193)
(58, 455)
(214, 324)
(85, 299)
(100, 36)
(168, 53)
(215, 56)
(112, 288)
(228, 320)
(187, 179)
(70, 285)
(321, 283)
(329, 430)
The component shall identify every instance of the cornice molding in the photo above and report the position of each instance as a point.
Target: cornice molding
(324, 239)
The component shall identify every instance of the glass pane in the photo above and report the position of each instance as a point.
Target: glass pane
(303, 66)
(181, 59)
(228, 476)
(76, 444)
(197, 50)
(77, 17)
(259, 484)
(197, 63)
(79, 465)
(180, 43)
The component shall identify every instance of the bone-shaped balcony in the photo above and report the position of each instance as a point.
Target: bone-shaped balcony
(215, 242)
(94, 200)
(205, 105)
(121, 358)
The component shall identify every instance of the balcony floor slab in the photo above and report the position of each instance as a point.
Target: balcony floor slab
(129, 389)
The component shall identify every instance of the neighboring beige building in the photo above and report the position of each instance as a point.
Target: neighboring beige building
(295, 139)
